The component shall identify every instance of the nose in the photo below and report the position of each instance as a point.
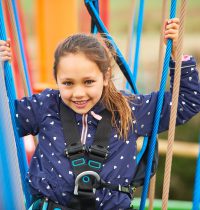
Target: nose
(78, 92)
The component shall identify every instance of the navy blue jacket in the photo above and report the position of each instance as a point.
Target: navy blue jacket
(50, 173)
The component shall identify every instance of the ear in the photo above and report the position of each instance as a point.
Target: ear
(107, 77)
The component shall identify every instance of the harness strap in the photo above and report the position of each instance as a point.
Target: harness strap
(125, 189)
(86, 168)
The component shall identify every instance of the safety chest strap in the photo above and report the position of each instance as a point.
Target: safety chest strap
(87, 170)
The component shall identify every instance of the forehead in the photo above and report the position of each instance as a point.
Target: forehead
(76, 65)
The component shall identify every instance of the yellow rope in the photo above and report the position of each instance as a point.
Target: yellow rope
(172, 124)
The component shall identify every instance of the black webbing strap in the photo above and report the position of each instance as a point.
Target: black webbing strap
(86, 171)
(98, 150)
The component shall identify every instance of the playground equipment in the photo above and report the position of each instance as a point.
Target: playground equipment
(127, 72)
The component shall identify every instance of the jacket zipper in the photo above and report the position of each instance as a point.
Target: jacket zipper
(84, 129)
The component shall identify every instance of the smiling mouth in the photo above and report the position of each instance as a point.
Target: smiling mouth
(80, 102)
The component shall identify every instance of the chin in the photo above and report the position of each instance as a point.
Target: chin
(80, 111)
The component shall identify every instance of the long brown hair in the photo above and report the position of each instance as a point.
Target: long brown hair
(94, 49)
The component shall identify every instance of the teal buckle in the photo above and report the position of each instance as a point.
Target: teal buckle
(78, 162)
(94, 164)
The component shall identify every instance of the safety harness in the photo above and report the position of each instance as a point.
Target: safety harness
(87, 162)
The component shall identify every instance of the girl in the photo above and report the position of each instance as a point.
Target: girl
(82, 70)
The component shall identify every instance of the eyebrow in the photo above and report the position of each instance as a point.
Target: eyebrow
(84, 78)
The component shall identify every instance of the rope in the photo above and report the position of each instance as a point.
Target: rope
(129, 54)
(160, 64)
(152, 191)
(12, 96)
(94, 28)
(129, 51)
(158, 113)
(161, 46)
(196, 195)
(173, 114)
(23, 68)
(12, 194)
(135, 64)
(138, 38)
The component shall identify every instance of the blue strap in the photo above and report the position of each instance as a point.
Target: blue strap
(45, 205)
(158, 113)
(31, 207)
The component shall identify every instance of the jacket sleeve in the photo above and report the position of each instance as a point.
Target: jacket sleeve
(144, 106)
(28, 111)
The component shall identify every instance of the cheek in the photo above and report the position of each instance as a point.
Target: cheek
(97, 91)
(65, 94)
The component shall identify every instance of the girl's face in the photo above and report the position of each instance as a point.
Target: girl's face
(80, 82)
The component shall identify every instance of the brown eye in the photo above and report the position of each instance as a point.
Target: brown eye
(67, 83)
(89, 82)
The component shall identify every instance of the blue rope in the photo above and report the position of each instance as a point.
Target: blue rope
(130, 53)
(7, 198)
(94, 28)
(23, 165)
(158, 113)
(17, 23)
(138, 39)
(196, 195)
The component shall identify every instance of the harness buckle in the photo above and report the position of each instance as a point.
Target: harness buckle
(85, 178)
(74, 149)
(99, 150)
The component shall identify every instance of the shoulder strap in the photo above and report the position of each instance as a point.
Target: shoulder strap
(71, 134)
(70, 130)
(98, 150)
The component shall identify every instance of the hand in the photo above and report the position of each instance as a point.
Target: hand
(171, 32)
(5, 51)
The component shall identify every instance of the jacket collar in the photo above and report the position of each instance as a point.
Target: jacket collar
(96, 110)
